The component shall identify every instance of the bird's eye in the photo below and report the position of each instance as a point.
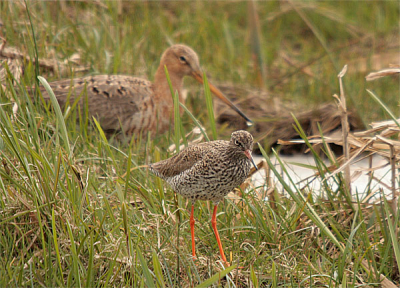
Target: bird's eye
(183, 59)
(237, 143)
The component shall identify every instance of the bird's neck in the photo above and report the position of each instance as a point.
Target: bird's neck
(162, 89)
(163, 98)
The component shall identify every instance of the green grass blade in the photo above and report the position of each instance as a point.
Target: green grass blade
(348, 249)
(393, 231)
(56, 246)
(387, 110)
(300, 200)
(90, 268)
(216, 277)
(75, 259)
(178, 128)
(316, 31)
(110, 271)
(209, 103)
(34, 43)
(253, 277)
(177, 121)
(148, 279)
(196, 122)
(256, 42)
(274, 275)
(158, 271)
(59, 115)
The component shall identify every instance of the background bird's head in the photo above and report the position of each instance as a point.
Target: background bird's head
(182, 60)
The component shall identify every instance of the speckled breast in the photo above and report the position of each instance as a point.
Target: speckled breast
(212, 183)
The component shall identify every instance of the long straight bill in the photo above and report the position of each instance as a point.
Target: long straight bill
(223, 98)
(248, 154)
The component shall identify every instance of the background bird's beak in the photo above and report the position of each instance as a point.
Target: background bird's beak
(197, 75)
(248, 155)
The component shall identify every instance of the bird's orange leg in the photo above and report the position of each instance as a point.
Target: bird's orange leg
(192, 232)
(214, 225)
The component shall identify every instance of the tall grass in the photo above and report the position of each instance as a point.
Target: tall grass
(78, 210)
(73, 220)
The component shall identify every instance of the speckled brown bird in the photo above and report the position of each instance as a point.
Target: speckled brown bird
(208, 171)
(130, 105)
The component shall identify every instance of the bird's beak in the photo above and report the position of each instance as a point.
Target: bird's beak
(197, 75)
(248, 155)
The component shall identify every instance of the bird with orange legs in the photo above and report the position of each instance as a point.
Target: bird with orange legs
(208, 171)
(129, 105)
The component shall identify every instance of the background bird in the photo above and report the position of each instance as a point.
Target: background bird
(131, 105)
(208, 171)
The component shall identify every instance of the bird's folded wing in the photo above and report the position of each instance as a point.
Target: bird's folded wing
(109, 98)
(183, 161)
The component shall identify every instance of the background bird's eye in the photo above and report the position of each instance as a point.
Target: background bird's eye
(183, 59)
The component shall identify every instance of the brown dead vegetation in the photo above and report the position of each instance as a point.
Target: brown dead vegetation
(273, 118)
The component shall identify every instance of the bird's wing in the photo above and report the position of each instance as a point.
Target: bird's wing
(110, 98)
(182, 161)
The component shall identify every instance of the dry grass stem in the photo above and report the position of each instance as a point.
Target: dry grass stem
(345, 129)
(382, 73)
(364, 141)
(385, 283)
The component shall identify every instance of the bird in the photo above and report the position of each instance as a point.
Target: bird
(130, 105)
(208, 171)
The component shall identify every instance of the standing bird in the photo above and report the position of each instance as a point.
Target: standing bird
(130, 105)
(208, 171)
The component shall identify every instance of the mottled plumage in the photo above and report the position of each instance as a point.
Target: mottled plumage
(208, 171)
(132, 105)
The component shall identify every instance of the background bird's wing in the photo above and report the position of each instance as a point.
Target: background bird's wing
(109, 97)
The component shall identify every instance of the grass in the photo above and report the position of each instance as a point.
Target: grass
(79, 210)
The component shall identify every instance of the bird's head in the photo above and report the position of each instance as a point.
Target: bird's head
(242, 143)
(182, 61)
